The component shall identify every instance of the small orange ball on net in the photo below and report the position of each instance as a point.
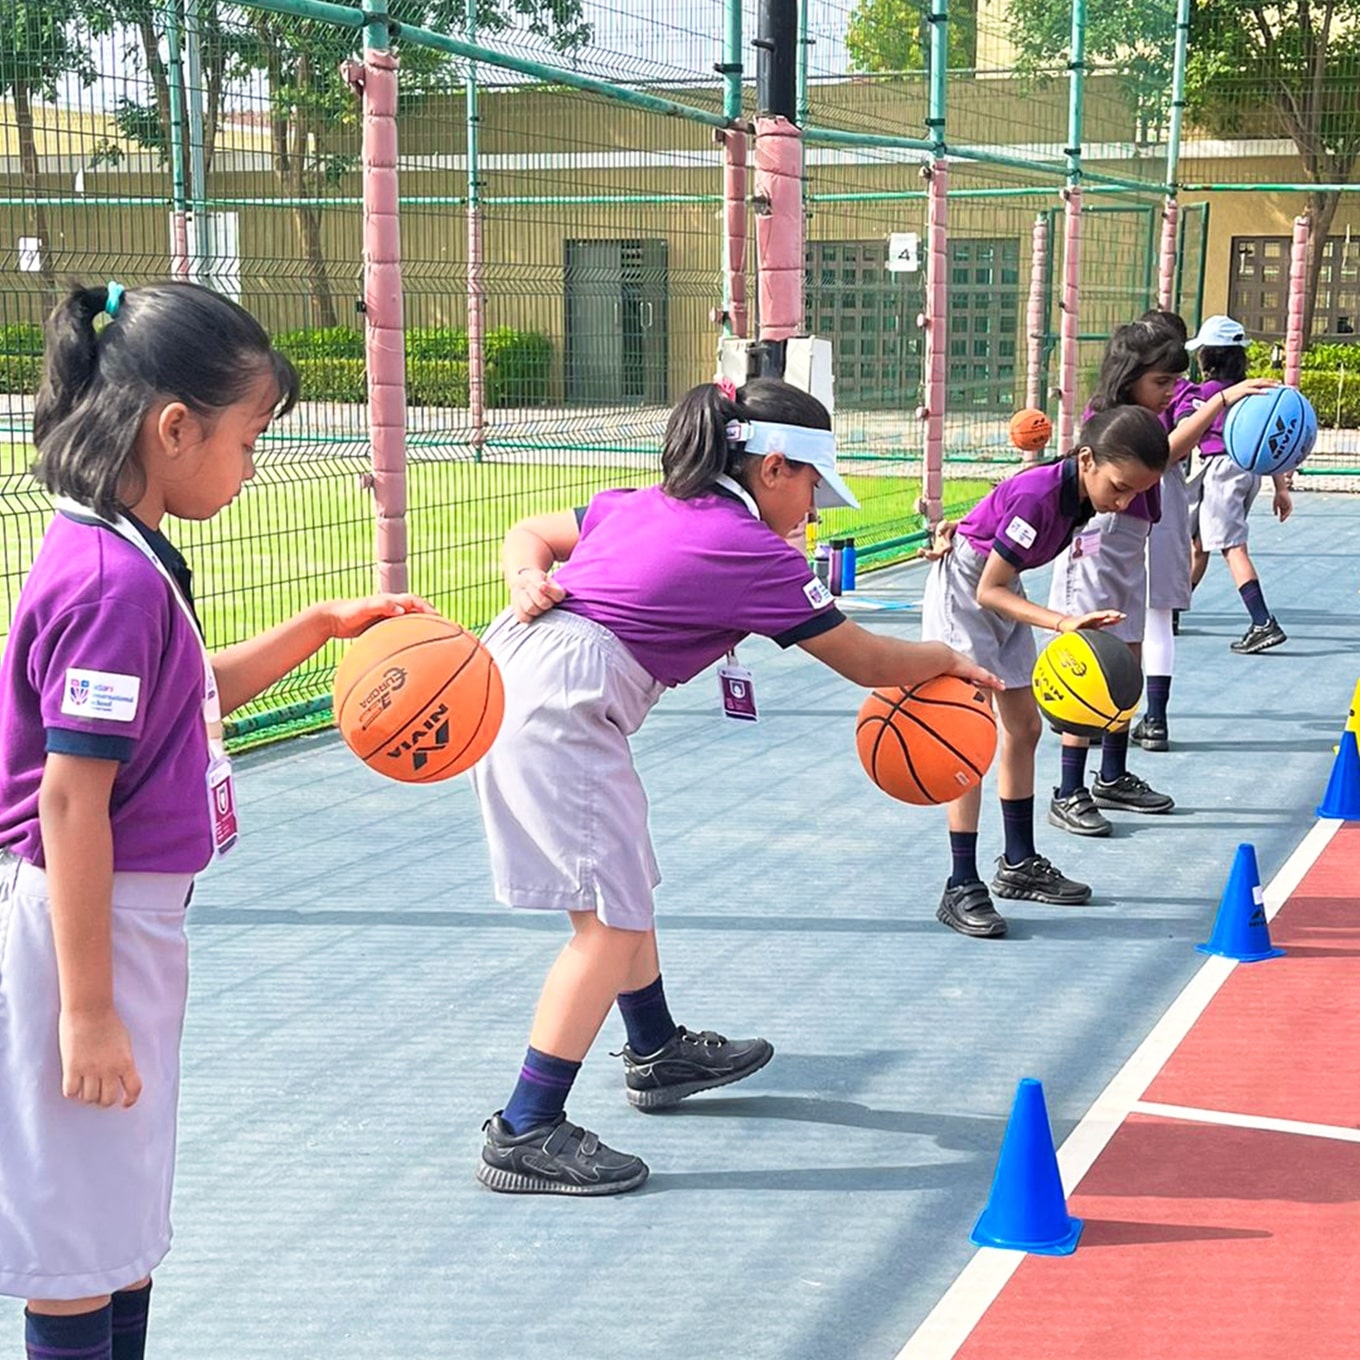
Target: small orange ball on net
(1030, 430)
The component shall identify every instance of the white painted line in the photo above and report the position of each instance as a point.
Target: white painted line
(960, 1309)
(1248, 1121)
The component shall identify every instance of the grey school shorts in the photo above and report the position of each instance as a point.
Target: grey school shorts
(564, 810)
(1227, 495)
(951, 614)
(1168, 554)
(1105, 572)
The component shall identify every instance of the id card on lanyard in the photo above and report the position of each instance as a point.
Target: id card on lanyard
(221, 792)
(735, 682)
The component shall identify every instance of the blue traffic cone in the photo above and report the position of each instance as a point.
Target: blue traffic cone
(1342, 799)
(1240, 929)
(1026, 1210)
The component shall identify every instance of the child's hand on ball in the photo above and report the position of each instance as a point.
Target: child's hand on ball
(1102, 618)
(349, 618)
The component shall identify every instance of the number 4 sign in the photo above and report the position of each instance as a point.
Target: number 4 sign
(903, 257)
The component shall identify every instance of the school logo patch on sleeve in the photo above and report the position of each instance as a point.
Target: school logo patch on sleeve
(105, 695)
(818, 596)
(1021, 531)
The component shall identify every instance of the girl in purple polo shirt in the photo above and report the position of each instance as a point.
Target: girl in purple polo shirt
(1107, 565)
(974, 601)
(656, 585)
(115, 789)
(1227, 492)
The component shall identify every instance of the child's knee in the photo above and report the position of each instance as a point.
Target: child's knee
(1023, 727)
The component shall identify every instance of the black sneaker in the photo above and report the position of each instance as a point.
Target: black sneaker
(1131, 794)
(1260, 637)
(967, 908)
(1078, 814)
(1151, 734)
(560, 1158)
(1036, 880)
(688, 1063)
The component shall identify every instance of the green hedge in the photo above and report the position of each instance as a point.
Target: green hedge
(25, 337)
(518, 365)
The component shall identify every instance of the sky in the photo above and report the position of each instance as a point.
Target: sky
(634, 40)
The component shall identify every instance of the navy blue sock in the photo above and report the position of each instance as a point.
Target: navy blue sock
(1114, 756)
(1073, 770)
(130, 1309)
(647, 1018)
(81, 1336)
(1158, 693)
(1254, 598)
(1017, 821)
(540, 1094)
(963, 853)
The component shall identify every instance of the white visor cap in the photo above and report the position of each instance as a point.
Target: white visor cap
(1218, 332)
(799, 444)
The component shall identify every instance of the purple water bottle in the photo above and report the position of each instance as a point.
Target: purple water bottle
(835, 576)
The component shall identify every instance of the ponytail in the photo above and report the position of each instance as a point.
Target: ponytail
(70, 356)
(696, 449)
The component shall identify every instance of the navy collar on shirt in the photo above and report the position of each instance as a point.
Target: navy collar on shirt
(1070, 500)
(169, 556)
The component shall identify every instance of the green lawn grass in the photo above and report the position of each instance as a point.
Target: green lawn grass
(303, 531)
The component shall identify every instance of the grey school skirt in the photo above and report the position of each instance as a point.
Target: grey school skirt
(564, 809)
(951, 614)
(1105, 572)
(1227, 494)
(1168, 552)
(85, 1192)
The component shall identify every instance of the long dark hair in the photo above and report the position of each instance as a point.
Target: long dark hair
(1133, 350)
(1126, 434)
(1173, 321)
(1223, 363)
(166, 341)
(696, 449)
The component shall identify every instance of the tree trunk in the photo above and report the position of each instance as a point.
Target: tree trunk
(308, 222)
(28, 166)
(1322, 210)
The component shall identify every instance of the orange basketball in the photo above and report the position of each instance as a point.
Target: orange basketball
(1030, 429)
(928, 744)
(418, 698)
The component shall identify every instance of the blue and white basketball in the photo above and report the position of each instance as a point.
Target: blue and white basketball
(1270, 432)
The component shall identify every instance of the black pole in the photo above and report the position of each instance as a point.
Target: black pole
(776, 46)
(777, 59)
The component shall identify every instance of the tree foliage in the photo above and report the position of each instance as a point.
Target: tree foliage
(1288, 70)
(894, 35)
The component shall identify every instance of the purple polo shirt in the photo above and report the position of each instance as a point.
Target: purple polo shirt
(1189, 401)
(1146, 504)
(682, 582)
(102, 662)
(1029, 518)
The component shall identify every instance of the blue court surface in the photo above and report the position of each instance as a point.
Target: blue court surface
(360, 1005)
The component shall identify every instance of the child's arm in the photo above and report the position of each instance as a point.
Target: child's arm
(531, 549)
(873, 659)
(249, 668)
(1283, 504)
(97, 1062)
(1189, 431)
(994, 593)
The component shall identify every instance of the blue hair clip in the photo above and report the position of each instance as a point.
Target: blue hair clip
(115, 298)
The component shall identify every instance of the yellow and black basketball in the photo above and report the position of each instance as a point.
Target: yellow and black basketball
(1087, 683)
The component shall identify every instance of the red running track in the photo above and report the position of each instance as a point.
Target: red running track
(1206, 1240)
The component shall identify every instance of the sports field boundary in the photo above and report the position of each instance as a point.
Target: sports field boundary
(978, 1285)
